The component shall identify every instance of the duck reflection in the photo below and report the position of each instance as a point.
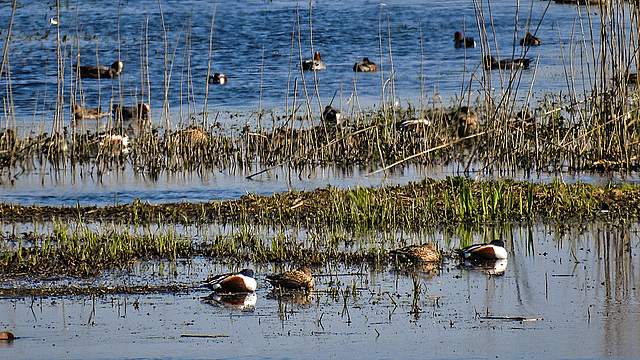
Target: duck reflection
(242, 301)
(489, 267)
(293, 297)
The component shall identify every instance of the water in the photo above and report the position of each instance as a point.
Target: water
(255, 43)
(578, 281)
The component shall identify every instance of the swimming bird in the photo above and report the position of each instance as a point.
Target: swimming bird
(466, 121)
(218, 78)
(331, 116)
(482, 252)
(81, 112)
(139, 112)
(232, 282)
(365, 65)
(530, 40)
(417, 253)
(490, 63)
(7, 336)
(460, 41)
(99, 71)
(315, 64)
(300, 279)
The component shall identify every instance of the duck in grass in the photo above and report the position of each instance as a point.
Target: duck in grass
(218, 78)
(530, 40)
(466, 121)
(331, 116)
(139, 113)
(315, 64)
(101, 72)
(232, 282)
(417, 253)
(365, 65)
(483, 252)
(490, 63)
(81, 112)
(459, 41)
(299, 279)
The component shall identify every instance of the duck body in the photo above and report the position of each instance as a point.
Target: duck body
(300, 279)
(315, 64)
(484, 252)
(139, 112)
(232, 282)
(101, 72)
(218, 78)
(460, 41)
(365, 65)
(465, 120)
(331, 116)
(81, 112)
(417, 253)
(490, 63)
(530, 40)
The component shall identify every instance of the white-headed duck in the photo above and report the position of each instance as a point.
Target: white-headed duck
(365, 65)
(315, 64)
(460, 41)
(100, 71)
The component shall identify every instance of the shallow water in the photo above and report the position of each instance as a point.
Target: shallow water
(578, 282)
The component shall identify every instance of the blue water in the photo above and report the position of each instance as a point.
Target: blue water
(259, 45)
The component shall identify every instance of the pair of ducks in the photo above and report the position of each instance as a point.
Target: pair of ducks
(489, 62)
(316, 64)
(138, 112)
(459, 41)
(476, 253)
(244, 282)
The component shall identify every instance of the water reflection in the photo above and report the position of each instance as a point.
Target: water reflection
(242, 302)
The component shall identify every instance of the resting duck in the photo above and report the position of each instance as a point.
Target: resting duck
(417, 253)
(99, 71)
(331, 116)
(460, 41)
(131, 113)
(365, 65)
(233, 282)
(300, 279)
(483, 252)
(315, 64)
(218, 78)
(466, 121)
(530, 40)
(81, 112)
(490, 63)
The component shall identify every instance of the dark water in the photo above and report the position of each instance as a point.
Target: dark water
(580, 283)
